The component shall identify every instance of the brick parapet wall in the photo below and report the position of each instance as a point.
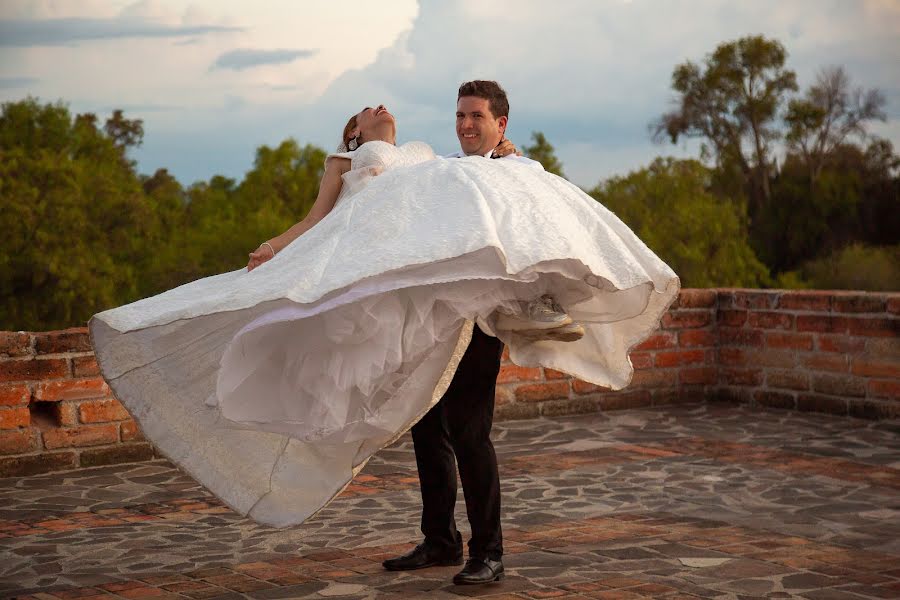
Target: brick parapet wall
(56, 412)
(835, 352)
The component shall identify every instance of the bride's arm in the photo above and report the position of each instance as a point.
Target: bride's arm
(329, 188)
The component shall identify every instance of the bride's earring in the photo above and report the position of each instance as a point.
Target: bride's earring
(353, 144)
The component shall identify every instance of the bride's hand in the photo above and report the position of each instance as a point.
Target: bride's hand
(259, 256)
(505, 148)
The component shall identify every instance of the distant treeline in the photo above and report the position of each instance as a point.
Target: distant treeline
(83, 231)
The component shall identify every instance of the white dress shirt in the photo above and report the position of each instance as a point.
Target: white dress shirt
(523, 159)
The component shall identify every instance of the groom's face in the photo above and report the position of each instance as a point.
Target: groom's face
(478, 130)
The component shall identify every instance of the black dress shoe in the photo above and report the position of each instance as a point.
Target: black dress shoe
(424, 555)
(479, 570)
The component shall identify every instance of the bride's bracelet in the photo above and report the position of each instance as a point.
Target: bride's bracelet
(270, 247)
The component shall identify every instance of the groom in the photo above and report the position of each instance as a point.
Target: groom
(459, 425)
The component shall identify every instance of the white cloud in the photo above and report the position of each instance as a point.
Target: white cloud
(590, 74)
(248, 58)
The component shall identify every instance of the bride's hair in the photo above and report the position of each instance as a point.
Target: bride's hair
(348, 129)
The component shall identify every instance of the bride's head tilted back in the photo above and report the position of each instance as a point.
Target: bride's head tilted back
(367, 125)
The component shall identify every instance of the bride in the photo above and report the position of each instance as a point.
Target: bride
(273, 386)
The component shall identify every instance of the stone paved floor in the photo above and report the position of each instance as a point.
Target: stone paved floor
(695, 501)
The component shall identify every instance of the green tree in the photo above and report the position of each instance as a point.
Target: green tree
(542, 151)
(702, 237)
(73, 218)
(827, 115)
(732, 102)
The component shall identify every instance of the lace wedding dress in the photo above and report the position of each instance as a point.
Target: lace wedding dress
(274, 387)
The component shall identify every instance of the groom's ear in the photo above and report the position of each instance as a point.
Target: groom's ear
(501, 122)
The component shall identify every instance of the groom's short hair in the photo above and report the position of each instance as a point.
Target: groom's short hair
(490, 91)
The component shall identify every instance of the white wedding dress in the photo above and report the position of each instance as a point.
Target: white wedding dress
(274, 387)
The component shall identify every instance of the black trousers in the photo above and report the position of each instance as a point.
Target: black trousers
(460, 425)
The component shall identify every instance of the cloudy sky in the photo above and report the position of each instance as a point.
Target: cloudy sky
(214, 79)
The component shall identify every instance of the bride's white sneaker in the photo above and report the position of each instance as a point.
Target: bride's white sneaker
(542, 318)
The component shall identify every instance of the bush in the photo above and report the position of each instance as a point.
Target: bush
(856, 267)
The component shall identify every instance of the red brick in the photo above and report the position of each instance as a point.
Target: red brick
(696, 298)
(504, 356)
(536, 392)
(696, 337)
(503, 394)
(86, 435)
(513, 373)
(641, 360)
(15, 343)
(822, 323)
(731, 318)
(18, 441)
(101, 411)
(774, 399)
(663, 339)
(33, 369)
(875, 327)
(625, 400)
(781, 359)
(66, 413)
(75, 339)
(680, 357)
(130, 431)
(839, 343)
(858, 303)
(71, 389)
(838, 385)
(874, 367)
(679, 395)
(736, 376)
(754, 299)
(812, 301)
(882, 346)
(893, 304)
(517, 410)
(85, 366)
(584, 387)
(834, 363)
(655, 378)
(698, 375)
(796, 341)
(741, 337)
(554, 374)
(881, 388)
(116, 454)
(568, 406)
(788, 379)
(12, 418)
(15, 394)
(872, 409)
(771, 320)
(733, 357)
(684, 319)
(824, 404)
(18, 466)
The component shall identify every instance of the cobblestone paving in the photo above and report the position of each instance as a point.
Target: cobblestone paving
(697, 501)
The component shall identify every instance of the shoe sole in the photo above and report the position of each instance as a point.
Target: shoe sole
(442, 563)
(516, 325)
(496, 578)
(570, 334)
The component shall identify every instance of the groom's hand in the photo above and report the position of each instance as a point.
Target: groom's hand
(505, 148)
